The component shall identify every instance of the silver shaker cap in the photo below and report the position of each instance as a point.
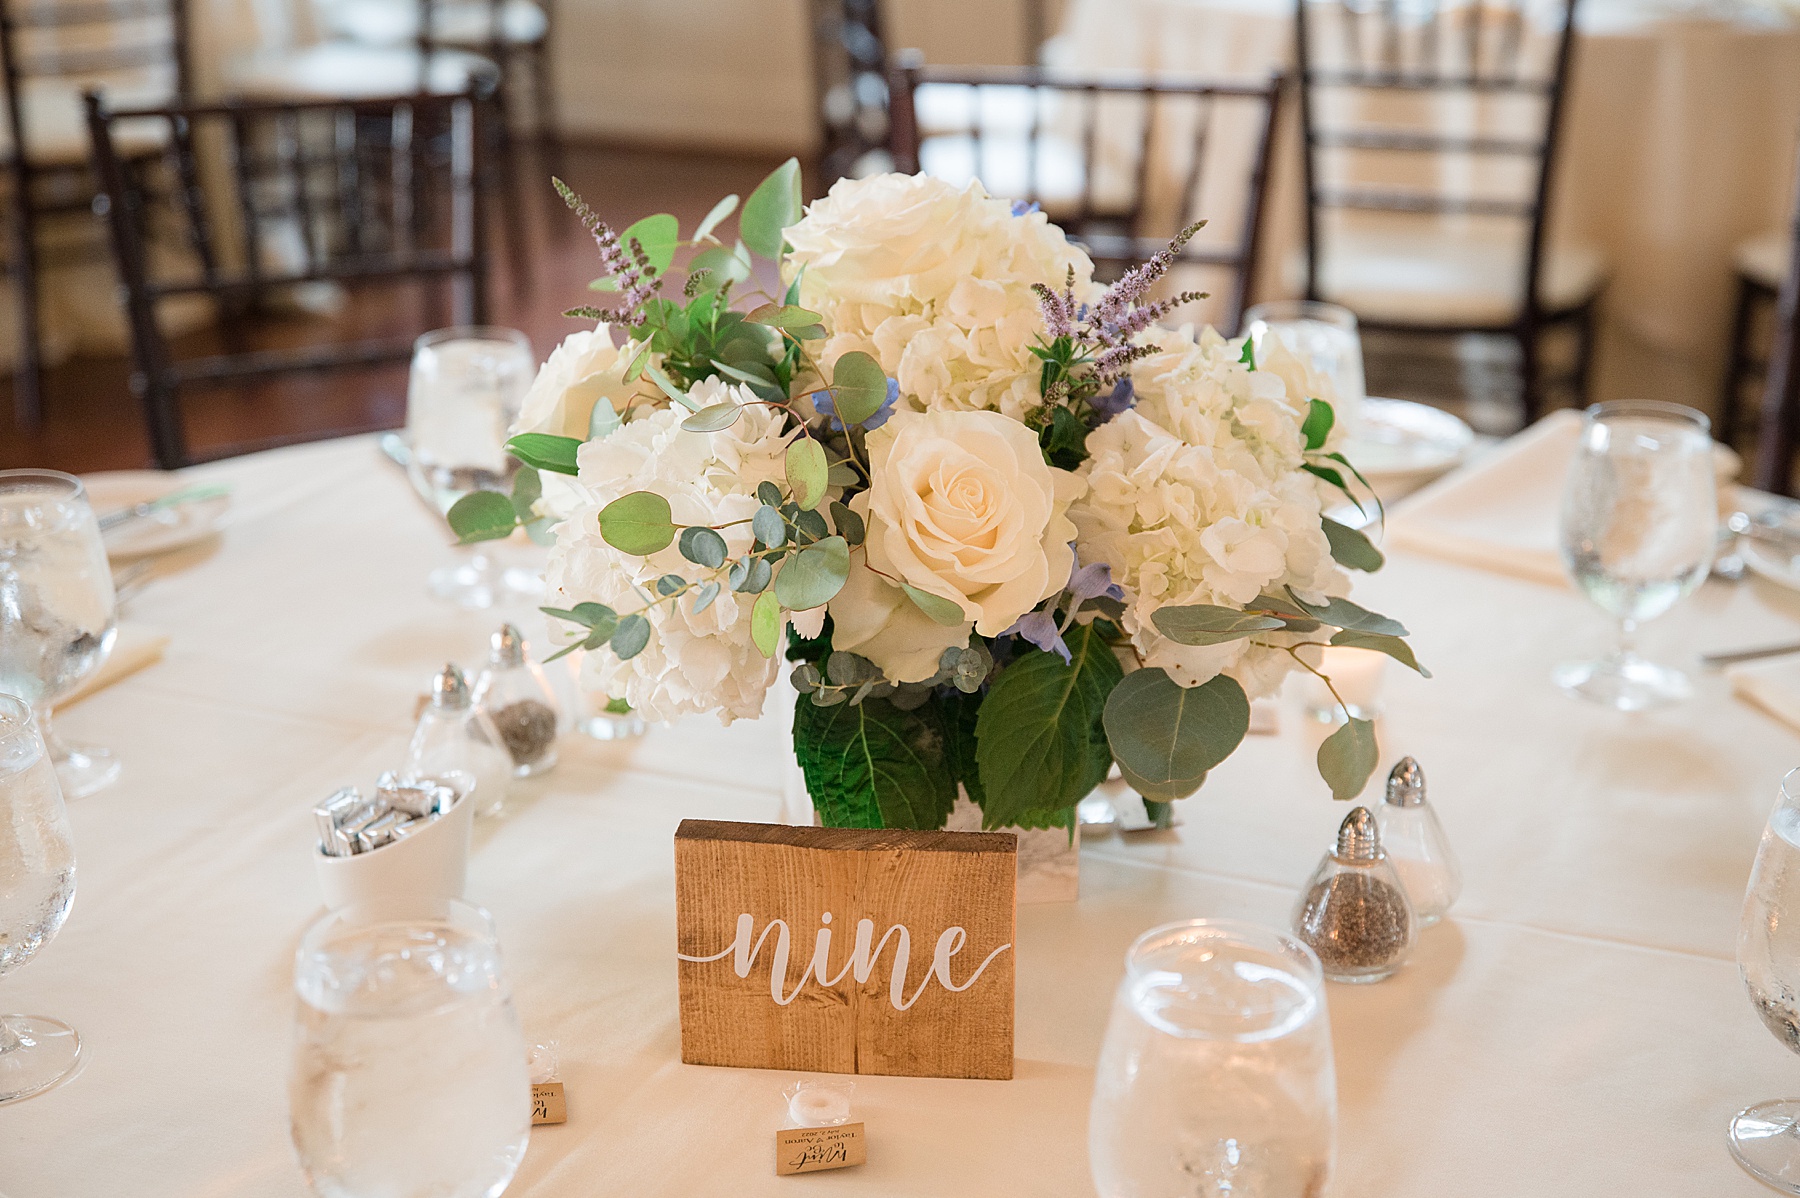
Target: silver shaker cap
(450, 689)
(1406, 785)
(1357, 838)
(507, 647)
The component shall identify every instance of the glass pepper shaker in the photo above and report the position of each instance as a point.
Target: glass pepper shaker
(1353, 911)
(1415, 842)
(517, 697)
(455, 734)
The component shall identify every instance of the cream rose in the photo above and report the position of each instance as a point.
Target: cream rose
(962, 506)
(581, 371)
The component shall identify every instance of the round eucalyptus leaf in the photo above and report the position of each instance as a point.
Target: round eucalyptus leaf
(807, 472)
(765, 623)
(769, 527)
(858, 386)
(714, 417)
(631, 636)
(703, 547)
(1168, 735)
(637, 523)
(814, 575)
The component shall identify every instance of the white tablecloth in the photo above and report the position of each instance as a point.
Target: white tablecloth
(1577, 1029)
(1678, 142)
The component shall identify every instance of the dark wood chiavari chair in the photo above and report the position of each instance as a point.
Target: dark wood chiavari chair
(1364, 57)
(50, 52)
(1056, 132)
(1778, 434)
(270, 195)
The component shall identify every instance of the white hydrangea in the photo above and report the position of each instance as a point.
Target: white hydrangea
(934, 281)
(693, 663)
(1196, 496)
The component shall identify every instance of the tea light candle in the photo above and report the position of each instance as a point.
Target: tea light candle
(1356, 675)
(819, 1106)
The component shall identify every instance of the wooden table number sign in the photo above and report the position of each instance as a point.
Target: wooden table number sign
(845, 950)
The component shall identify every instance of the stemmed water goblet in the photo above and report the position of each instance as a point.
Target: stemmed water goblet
(1325, 337)
(1639, 520)
(463, 394)
(1765, 1138)
(37, 887)
(57, 609)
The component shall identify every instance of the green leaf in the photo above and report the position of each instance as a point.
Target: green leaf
(669, 389)
(703, 547)
(783, 316)
(637, 523)
(1064, 439)
(668, 584)
(871, 765)
(1327, 473)
(1393, 646)
(842, 474)
(1167, 736)
(807, 472)
(714, 418)
(482, 516)
(749, 575)
(722, 266)
(1350, 547)
(943, 611)
(545, 452)
(632, 634)
(658, 235)
(768, 492)
(771, 208)
(848, 523)
(1348, 757)
(1341, 613)
(769, 527)
(704, 595)
(528, 488)
(765, 623)
(960, 712)
(720, 211)
(1205, 624)
(858, 387)
(1039, 743)
(605, 418)
(1248, 357)
(814, 575)
(1317, 425)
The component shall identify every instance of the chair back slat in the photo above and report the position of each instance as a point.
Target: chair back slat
(1103, 156)
(1778, 437)
(357, 193)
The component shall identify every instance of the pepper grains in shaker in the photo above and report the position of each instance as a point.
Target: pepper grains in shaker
(518, 700)
(1353, 911)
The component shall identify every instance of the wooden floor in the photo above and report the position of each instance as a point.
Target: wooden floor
(92, 422)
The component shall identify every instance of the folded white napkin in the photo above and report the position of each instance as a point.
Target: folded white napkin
(1773, 686)
(134, 648)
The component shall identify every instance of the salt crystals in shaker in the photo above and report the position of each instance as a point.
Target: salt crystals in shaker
(1353, 911)
(1416, 844)
(456, 734)
(518, 698)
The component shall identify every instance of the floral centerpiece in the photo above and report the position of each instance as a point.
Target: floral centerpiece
(1006, 529)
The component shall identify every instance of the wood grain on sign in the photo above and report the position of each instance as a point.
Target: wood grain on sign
(846, 950)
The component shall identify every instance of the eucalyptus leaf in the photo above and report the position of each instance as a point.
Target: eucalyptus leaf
(1393, 646)
(768, 492)
(723, 267)
(605, 418)
(811, 525)
(1168, 735)
(629, 639)
(1350, 547)
(765, 623)
(1348, 757)
(1205, 624)
(482, 516)
(542, 530)
(858, 387)
(943, 611)
(704, 596)
(720, 211)
(754, 373)
(527, 489)
(658, 236)
(848, 523)
(1341, 613)
(714, 418)
(769, 527)
(545, 452)
(771, 208)
(842, 474)
(638, 523)
(750, 575)
(807, 472)
(814, 575)
(703, 547)
(783, 316)
(668, 388)
(668, 584)
(1328, 473)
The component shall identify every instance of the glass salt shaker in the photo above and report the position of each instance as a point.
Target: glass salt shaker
(1416, 844)
(455, 734)
(1353, 911)
(518, 699)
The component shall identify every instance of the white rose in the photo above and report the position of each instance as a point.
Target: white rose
(581, 371)
(962, 506)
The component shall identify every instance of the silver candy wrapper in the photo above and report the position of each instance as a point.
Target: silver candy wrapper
(348, 824)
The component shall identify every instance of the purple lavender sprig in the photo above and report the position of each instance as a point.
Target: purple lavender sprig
(629, 265)
(1113, 308)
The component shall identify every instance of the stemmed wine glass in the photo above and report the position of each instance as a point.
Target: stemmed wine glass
(1639, 526)
(37, 887)
(1216, 1075)
(1765, 1138)
(409, 1068)
(57, 619)
(464, 392)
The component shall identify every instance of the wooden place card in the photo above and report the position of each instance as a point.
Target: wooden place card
(548, 1104)
(809, 1149)
(845, 950)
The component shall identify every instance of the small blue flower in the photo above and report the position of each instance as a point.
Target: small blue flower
(1039, 627)
(826, 406)
(1093, 581)
(1021, 208)
(1121, 398)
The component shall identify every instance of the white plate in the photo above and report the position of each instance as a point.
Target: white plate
(1778, 567)
(1399, 439)
(158, 532)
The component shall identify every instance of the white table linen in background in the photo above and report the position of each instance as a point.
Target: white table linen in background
(1578, 1028)
(1678, 142)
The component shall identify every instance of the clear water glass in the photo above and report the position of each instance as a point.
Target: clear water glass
(1765, 1138)
(1326, 338)
(37, 887)
(57, 609)
(1639, 528)
(463, 394)
(1216, 1076)
(409, 1072)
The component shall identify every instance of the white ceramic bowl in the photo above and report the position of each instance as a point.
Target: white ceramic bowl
(422, 869)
